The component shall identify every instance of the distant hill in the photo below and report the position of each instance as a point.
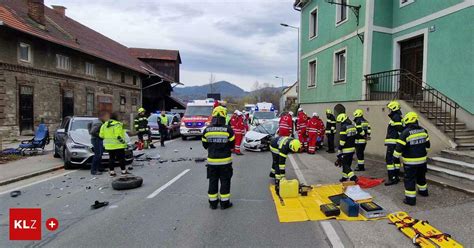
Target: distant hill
(200, 92)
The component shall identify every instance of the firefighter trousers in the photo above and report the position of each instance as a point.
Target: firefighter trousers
(360, 149)
(222, 174)
(330, 137)
(347, 173)
(415, 177)
(393, 163)
(275, 168)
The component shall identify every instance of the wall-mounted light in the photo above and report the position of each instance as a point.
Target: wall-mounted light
(432, 28)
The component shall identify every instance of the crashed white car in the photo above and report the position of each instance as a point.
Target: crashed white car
(258, 139)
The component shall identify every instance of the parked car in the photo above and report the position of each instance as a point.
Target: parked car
(258, 139)
(72, 143)
(174, 122)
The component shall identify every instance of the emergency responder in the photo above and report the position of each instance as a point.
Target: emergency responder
(113, 134)
(285, 125)
(394, 128)
(141, 126)
(238, 126)
(330, 130)
(363, 134)
(314, 129)
(413, 146)
(281, 147)
(346, 149)
(218, 139)
(163, 127)
(301, 127)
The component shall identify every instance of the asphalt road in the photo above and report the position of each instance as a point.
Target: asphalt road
(165, 212)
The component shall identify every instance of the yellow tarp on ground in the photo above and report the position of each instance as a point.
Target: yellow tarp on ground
(304, 208)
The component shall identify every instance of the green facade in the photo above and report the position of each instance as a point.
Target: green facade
(446, 26)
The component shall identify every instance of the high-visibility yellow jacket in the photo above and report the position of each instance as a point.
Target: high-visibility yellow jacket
(113, 134)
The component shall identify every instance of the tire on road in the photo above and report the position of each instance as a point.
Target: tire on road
(123, 183)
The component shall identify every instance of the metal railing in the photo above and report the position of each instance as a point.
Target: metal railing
(402, 84)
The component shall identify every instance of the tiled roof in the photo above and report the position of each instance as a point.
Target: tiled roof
(144, 53)
(68, 32)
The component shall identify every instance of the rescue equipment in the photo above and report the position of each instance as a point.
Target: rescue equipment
(349, 207)
(289, 188)
(330, 209)
(421, 232)
(371, 210)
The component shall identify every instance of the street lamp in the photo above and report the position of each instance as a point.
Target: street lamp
(299, 52)
(282, 80)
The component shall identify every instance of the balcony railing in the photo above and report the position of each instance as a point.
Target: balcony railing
(402, 84)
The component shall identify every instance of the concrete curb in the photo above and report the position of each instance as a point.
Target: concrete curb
(16, 179)
(436, 180)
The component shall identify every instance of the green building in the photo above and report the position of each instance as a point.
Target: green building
(364, 53)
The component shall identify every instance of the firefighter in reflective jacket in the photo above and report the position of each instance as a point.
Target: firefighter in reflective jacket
(330, 130)
(141, 126)
(413, 146)
(280, 148)
(238, 126)
(363, 134)
(218, 139)
(285, 126)
(301, 127)
(346, 149)
(314, 128)
(394, 128)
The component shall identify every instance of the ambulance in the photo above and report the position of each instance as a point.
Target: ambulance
(196, 118)
(264, 111)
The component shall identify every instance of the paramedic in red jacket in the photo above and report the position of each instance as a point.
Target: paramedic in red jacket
(285, 126)
(237, 124)
(301, 127)
(315, 131)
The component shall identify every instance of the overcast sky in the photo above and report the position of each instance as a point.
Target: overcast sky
(240, 41)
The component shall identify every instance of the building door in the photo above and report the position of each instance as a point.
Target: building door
(411, 59)
(105, 104)
(26, 109)
(68, 103)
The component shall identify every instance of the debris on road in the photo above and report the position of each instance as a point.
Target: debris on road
(98, 204)
(15, 193)
(199, 160)
(129, 182)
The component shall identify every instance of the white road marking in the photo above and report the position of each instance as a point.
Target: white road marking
(325, 225)
(33, 183)
(156, 192)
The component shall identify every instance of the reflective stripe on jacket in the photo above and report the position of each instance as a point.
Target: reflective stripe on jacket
(218, 140)
(413, 145)
(141, 123)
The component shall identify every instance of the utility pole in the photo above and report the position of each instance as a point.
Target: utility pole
(211, 82)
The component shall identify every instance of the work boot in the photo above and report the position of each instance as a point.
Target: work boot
(392, 181)
(423, 193)
(272, 175)
(152, 146)
(343, 179)
(411, 202)
(226, 204)
(213, 204)
(354, 179)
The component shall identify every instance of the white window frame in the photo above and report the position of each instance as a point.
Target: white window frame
(90, 69)
(312, 75)
(30, 55)
(311, 28)
(90, 112)
(109, 74)
(403, 4)
(337, 13)
(335, 66)
(64, 64)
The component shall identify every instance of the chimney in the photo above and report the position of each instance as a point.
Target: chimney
(36, 11)
(59, 9)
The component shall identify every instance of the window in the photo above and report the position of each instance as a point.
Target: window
(405, 2)
(90, 69)
(313, 25)
(312, 71)
(25, 52)
(134, 101)
(122, 76)
(63, 62)
(109, 74)
(123, 101)
(340, 66)
(90, 104)
(341, 12)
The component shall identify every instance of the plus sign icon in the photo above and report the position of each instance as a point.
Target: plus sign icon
(52, 224)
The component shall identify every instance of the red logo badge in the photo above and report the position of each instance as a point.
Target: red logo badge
(52, 224)
(25, 224)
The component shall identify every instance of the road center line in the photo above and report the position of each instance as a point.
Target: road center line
(325, 225)
(166, 185)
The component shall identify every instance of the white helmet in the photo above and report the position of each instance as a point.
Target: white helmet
(300, 109)
(315, 114)
(291, 113)
(239, 113)
(236, 111)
